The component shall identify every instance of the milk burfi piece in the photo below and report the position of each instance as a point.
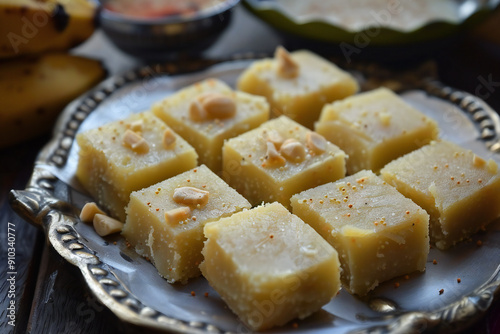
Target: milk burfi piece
(165, 221)
(297, 84)
(208, 112)
(375, 127)
(278, 159)
(459, 190)
(378, 233)
(269, 266)
(122, 156)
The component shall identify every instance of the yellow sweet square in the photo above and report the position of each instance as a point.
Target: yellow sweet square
(297, 84)
(378, 233)
(374, 128)
(122, 156)
(165, 221)
(209, 112)
(459, 190)
(279, 159)
(269, 266)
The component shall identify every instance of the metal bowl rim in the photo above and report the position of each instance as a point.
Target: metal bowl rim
(213, 11)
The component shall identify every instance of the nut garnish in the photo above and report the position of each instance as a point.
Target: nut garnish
(135, 142)
(287, 67)
(196, 111)
(316, 142)
(219, 106)
(168, 139)
(385, 118)
(273, 157)
(292, 150)
(190, 196)
(105, 225)
(274, 137)
(136, 125)
(477, 161)
(88, 212)
(212, 105)
(175, 216)
(492, 166)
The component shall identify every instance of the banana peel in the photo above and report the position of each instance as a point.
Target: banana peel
(34, 26)
(33, 91)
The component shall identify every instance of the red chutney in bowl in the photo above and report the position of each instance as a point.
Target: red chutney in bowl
(160, 8)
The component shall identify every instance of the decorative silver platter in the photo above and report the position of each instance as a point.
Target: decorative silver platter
(130, 286)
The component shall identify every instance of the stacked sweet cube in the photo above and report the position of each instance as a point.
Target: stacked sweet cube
(206, 184)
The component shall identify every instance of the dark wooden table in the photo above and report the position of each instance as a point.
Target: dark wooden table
(50, 294)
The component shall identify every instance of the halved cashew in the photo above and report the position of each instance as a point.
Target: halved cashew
(293, 150)
(286, 66)
(135, 142)
(190, 196)
(274, 137)
(88, 212)
(175, 216)
(168, 139)
(212, 105)
(219, 106)
(273, 157)
(105, 225)
(316, 142)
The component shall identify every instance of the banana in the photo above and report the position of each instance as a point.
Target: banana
(34, 91)
(35, 26)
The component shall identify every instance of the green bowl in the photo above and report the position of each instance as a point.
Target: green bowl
(322, 31)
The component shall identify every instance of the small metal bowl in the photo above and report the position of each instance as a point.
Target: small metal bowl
(169, 36)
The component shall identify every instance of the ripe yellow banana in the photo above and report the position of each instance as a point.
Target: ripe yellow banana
(34, 26)
(34, 91)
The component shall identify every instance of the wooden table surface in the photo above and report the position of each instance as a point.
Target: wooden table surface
(51, 296)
